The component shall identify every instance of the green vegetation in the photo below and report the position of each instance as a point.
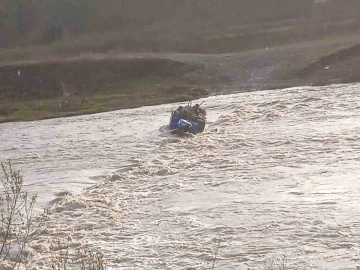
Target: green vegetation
(137, 94)
(39, 29)
(36, 22)
(91, 25)
(73, 48)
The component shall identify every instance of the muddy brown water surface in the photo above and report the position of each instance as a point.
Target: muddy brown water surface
(274, 174)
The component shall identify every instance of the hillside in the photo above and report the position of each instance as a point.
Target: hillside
(34, 22)
(67, 57)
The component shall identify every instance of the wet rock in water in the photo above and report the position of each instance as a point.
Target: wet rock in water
(63, 193)
(115, 177)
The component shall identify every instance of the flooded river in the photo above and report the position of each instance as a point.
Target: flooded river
(273, 176)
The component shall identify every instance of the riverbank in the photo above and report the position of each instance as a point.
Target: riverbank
(51, 86)
(77, 86)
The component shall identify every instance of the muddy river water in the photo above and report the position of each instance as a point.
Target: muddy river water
(272, 178)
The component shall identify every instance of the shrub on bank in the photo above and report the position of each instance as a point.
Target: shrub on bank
(19, 227)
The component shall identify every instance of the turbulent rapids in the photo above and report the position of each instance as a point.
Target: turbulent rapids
(274, 174)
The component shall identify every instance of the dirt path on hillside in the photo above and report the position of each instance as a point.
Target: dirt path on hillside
(174, 74)
(267, 68)
(276, 67)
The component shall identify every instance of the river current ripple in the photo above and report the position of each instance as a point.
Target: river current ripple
(274, 175)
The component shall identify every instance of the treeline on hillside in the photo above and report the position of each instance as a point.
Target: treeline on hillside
(29, 22)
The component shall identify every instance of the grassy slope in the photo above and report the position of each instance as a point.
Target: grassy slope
(73, 87)
(139, 95)
(99, 75)
(307, 63)
(38, 21)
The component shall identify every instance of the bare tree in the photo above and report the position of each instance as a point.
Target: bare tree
(18, 225)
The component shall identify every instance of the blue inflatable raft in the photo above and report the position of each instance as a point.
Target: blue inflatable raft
(188, 119)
